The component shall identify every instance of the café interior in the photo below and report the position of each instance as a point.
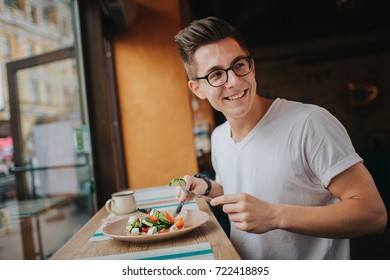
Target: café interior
(94, 100)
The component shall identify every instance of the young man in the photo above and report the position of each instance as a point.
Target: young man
(287, 174)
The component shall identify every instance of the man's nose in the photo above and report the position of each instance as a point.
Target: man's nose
(232, 78)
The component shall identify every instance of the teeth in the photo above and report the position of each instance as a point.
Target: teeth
(234, 97)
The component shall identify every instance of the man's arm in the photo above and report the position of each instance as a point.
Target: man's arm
(361, 210)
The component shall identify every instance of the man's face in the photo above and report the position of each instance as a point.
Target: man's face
(235, 98)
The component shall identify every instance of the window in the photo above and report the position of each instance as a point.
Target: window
(64, 28)
(48, 94)
(50, 14)
(34, 92)
(45, 73)
(34, 14)
(19, 4)
(30, 49)
(6, 46)
(1, 90)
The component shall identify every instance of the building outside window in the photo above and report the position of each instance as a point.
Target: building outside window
(50, 112)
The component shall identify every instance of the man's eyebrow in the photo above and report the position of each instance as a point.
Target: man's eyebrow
(218, 67)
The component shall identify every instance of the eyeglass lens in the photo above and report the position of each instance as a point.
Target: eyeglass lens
(241, 68)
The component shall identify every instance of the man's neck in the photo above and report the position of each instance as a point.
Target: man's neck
(241, 127)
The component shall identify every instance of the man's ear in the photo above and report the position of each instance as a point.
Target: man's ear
(195, 88)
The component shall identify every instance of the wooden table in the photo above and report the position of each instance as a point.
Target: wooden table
(79, 246)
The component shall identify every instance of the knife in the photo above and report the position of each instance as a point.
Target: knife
(192, 194)
(146, 211)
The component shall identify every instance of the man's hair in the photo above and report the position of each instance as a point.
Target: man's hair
(200, 33)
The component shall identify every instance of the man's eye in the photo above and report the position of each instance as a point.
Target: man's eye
(215, 75)
(239, 65)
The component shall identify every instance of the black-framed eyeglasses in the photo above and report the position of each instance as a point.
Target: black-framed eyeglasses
(219, 77)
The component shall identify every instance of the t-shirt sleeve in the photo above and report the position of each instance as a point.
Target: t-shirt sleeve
(328, 148)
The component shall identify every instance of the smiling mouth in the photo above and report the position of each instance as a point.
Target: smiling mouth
(237, 96)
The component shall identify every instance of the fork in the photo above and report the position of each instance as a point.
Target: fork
(181, 204)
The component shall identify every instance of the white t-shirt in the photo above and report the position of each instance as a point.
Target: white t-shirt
(289, 157)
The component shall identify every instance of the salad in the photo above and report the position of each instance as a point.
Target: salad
(153, 222)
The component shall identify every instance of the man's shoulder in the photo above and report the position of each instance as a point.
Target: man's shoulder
(292, 104)
(294, 109)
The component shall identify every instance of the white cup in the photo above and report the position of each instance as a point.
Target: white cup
(122, 202)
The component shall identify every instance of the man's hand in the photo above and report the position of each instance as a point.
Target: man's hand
(198, 186)
(193, 184)
(247, 212)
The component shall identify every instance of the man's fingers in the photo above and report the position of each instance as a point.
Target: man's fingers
(224, 199)
(217, 201)
(180, 195)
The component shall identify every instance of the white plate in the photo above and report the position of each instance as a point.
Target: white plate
(192, 220)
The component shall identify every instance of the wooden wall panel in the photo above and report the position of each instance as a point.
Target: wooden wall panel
(153, 95)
